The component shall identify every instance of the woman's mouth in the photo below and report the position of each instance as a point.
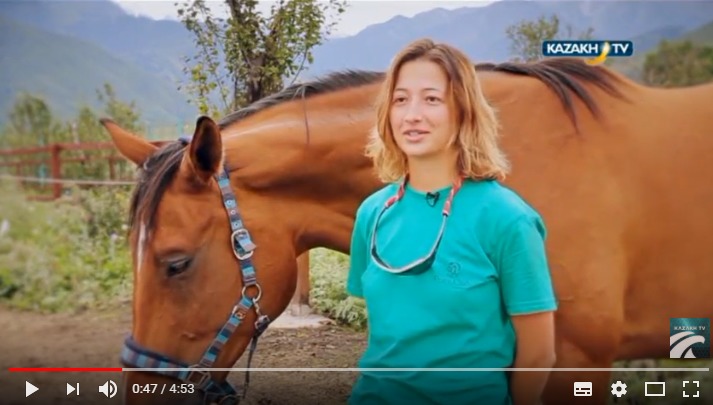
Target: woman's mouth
(414, 135)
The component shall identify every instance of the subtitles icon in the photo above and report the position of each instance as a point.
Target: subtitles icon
(655, 392)
(582, 389)
(108, 389)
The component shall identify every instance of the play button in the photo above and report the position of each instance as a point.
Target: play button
(30, 389)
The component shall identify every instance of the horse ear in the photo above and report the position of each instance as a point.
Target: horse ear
(129, 145)
(204, 155)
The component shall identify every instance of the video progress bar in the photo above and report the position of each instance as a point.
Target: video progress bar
(459, 370)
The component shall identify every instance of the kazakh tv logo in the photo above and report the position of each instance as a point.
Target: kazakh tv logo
(596, 52)
(690, 338)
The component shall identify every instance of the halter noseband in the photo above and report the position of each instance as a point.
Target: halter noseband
(224, 393)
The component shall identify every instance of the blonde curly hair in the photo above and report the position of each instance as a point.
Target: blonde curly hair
(479, 155)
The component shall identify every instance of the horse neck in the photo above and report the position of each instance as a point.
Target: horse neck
(305, 159)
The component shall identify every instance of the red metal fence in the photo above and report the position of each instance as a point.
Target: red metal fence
(48, 169)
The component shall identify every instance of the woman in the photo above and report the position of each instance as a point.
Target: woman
(451, 264)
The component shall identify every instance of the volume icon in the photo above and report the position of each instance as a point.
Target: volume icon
(108, 389)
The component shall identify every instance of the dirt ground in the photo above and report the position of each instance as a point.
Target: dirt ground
(94, 340)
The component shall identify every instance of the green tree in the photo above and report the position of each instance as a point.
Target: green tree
(248, 55)
(526, 36)
(30, 122)
(124, 113)
(676, 64)
(85, 127)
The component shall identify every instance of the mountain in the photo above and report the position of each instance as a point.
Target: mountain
(89, 41)
(68, 71)
(156, 46)
(702, 35)
(481, 31)
(634, 67)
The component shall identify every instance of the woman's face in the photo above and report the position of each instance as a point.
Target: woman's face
(421, 115)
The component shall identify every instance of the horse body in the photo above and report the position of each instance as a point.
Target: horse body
(626, 204)
(623, 193)
(669, 263)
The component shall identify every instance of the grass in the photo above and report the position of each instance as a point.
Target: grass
(65, 256)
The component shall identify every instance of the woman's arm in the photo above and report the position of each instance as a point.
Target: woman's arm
(530, 301)
(358, 255)
(535, 349)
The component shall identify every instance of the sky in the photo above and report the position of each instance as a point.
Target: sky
(358, 15)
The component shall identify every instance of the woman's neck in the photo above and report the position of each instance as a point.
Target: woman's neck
(432, 174)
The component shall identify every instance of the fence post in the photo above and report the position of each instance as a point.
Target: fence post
(112, 170)
(56, 171)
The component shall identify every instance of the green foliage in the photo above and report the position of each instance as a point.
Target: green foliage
(676, 64)
(31, 123)
(328, 273)
(249, 55)
(68, 255)
(124, 113)
(526, 36)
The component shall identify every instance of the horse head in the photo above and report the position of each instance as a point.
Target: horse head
(197, 302)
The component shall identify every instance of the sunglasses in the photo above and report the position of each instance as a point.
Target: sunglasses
(421, 265)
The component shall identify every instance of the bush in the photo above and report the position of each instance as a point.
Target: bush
(328, 270)
(65, 255)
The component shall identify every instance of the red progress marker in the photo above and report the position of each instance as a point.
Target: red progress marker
(65, 369)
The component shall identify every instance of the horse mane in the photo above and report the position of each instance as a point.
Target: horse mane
(565, 77)
(325, 84)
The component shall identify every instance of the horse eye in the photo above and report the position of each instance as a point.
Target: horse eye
(176, 267)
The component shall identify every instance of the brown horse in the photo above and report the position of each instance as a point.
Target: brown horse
(620, 172)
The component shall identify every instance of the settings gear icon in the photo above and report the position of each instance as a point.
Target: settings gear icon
(618, 389)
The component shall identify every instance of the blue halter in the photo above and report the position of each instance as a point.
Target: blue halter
(224, 393)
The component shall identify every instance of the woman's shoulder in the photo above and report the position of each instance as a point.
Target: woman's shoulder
(502, 212)
(500, 202)
(375, 201)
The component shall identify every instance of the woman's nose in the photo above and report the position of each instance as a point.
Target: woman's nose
(413, 113)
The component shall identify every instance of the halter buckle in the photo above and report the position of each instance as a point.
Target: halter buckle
(243, 246)
(203, 375)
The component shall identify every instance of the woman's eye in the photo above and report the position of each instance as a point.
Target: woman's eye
(399, 100)
(432, 99)
(176, 267)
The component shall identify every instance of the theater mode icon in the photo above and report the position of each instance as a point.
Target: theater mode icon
(582, 389)
(655, 389)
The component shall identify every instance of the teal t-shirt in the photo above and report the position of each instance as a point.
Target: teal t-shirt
(491, 264)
